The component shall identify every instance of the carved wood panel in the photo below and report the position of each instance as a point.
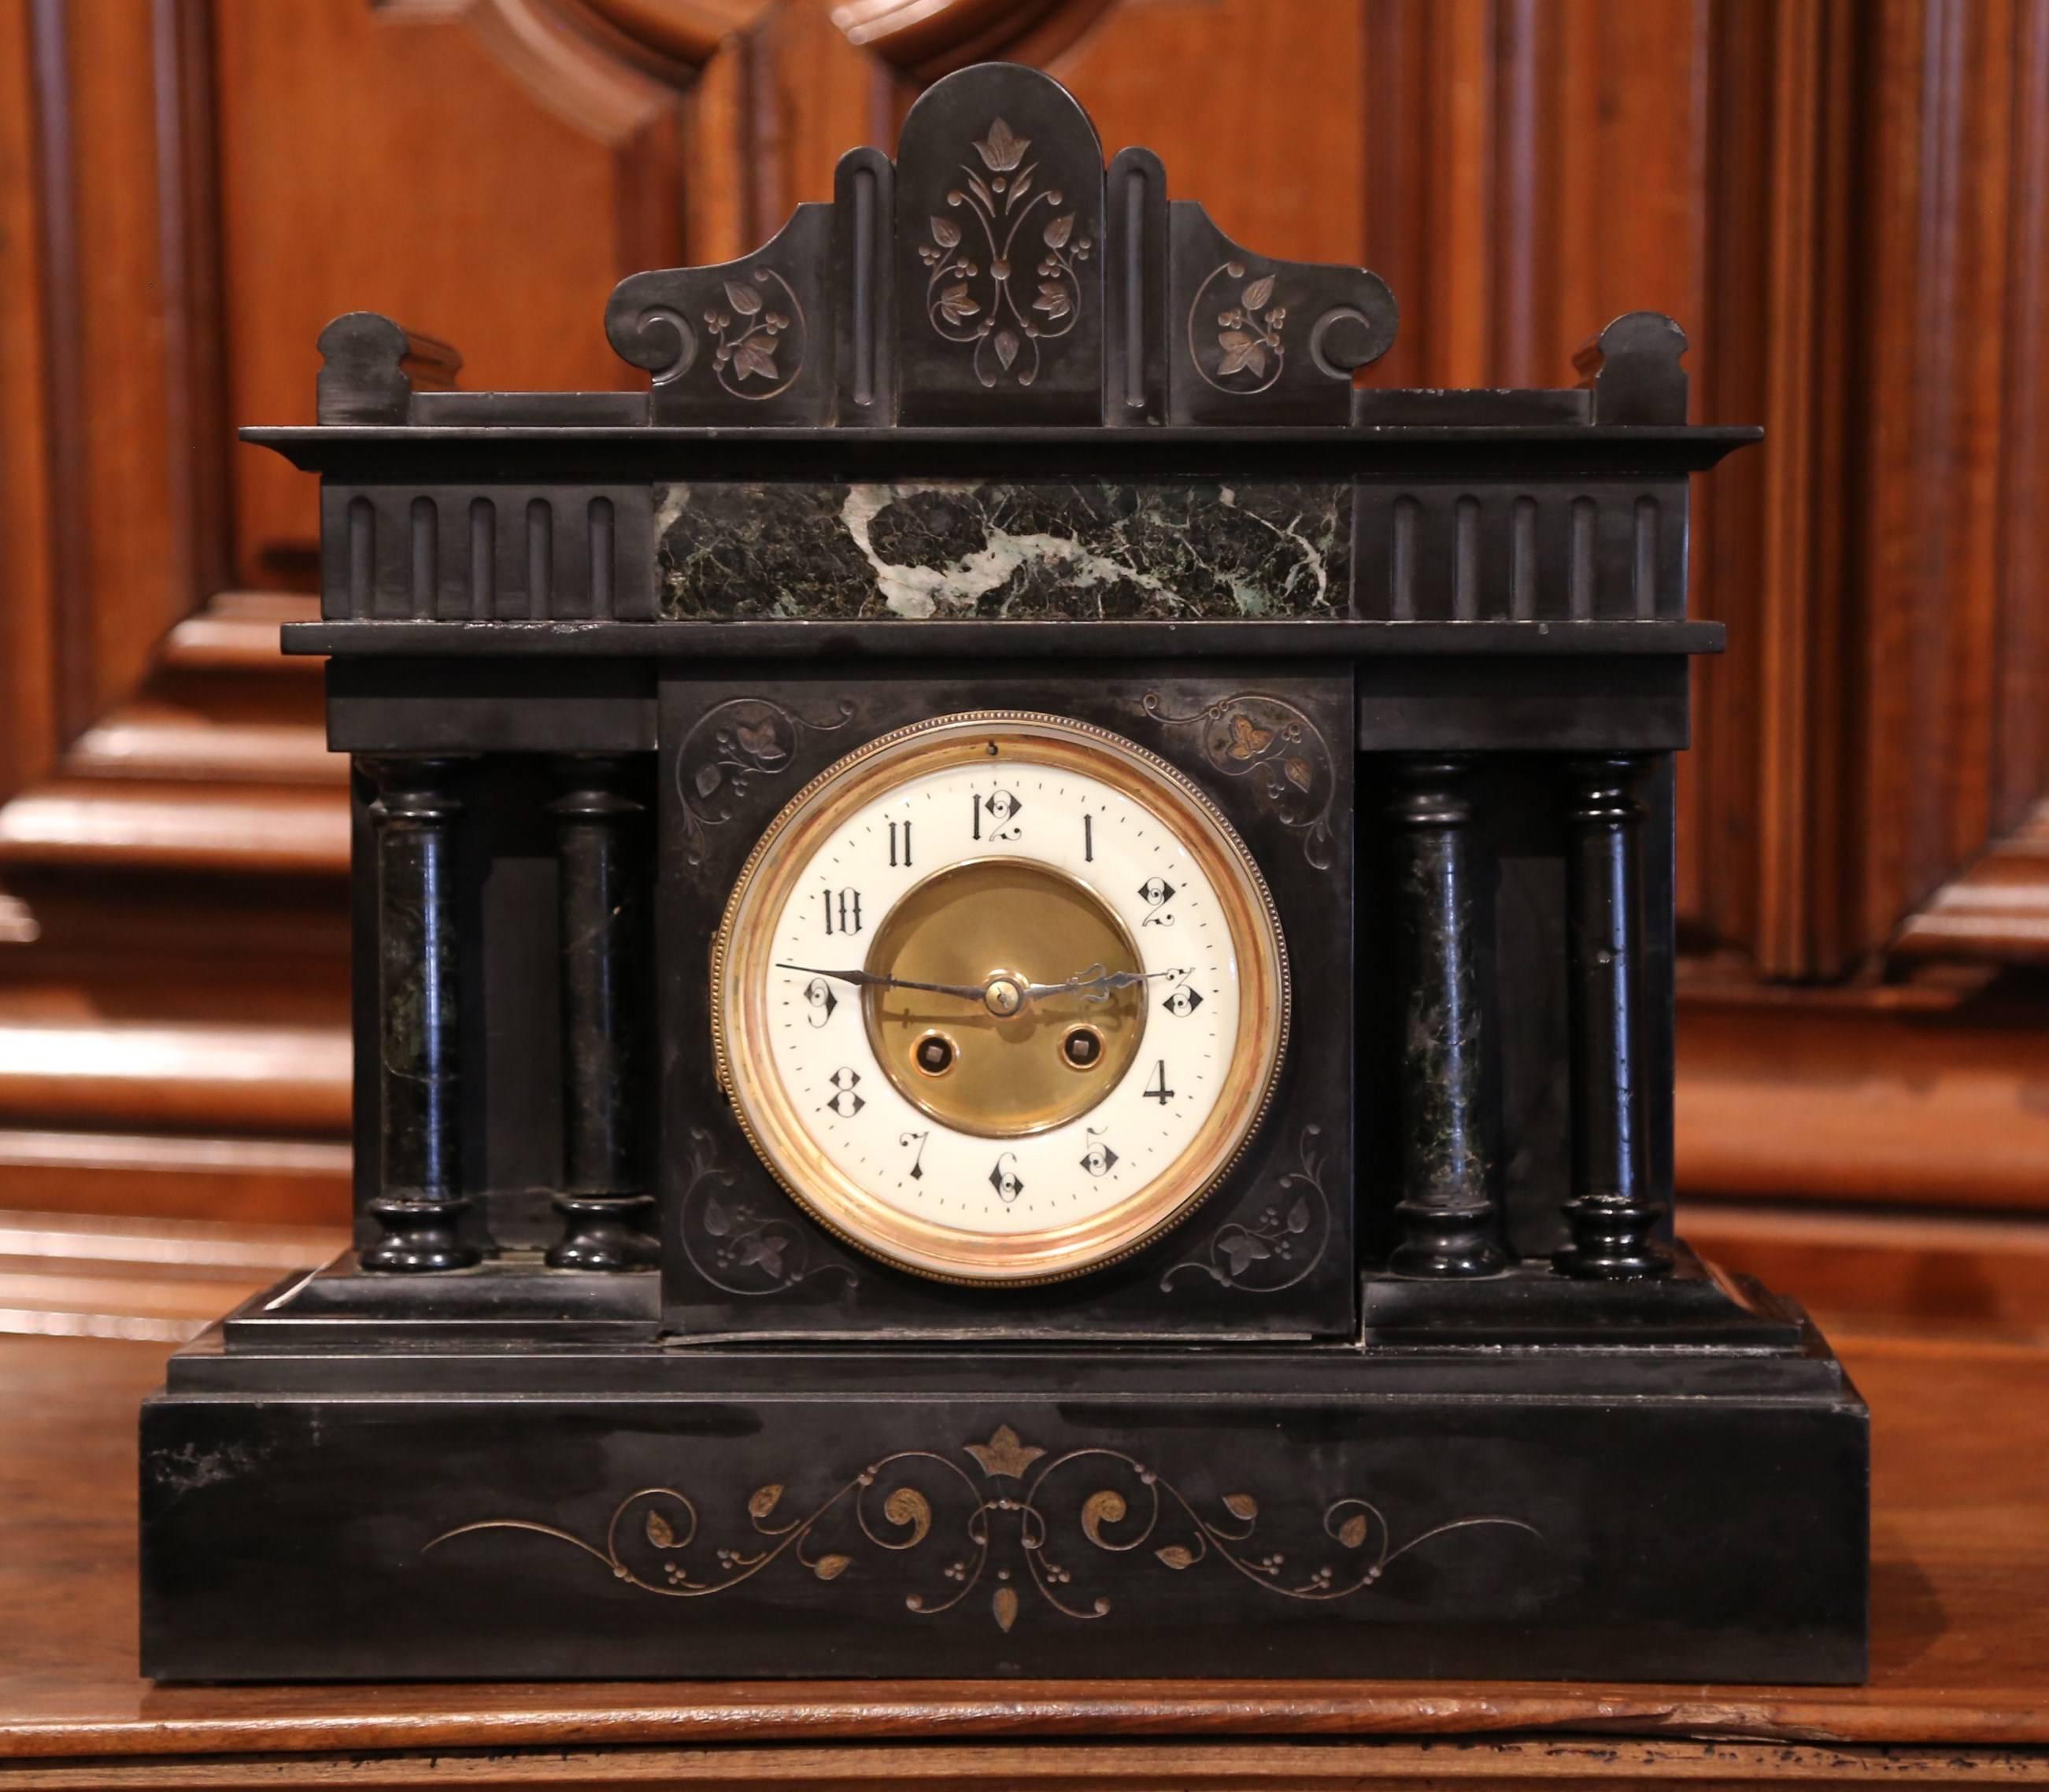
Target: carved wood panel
(1846, 205)
(408, 159)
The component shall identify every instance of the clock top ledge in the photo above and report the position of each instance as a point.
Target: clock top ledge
(993, 382)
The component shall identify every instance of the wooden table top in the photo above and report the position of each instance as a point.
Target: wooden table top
(1960, 1650)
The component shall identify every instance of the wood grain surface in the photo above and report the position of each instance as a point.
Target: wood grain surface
(1960, 1649)
(1843, 201)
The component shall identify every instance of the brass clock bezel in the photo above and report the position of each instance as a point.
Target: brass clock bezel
(741, 961)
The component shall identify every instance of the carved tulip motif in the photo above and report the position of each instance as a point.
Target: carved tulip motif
(1001, 149)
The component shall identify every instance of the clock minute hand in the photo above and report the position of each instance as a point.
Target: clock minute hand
(871, 980)
(1095, 983)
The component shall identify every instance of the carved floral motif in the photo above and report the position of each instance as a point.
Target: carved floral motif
(1281, 1243)
(732, 1244)
(1267, 739)
(728, 749)
(971, 295)
(1249, 352)
(997, 1523)
(750, 333)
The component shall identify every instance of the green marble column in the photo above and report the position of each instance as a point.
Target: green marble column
(420, 1197)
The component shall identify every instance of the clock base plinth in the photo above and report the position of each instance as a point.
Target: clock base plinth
(1531, 1303)
(612, 1507)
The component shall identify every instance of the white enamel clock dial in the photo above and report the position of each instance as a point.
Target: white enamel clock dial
(1000, 997)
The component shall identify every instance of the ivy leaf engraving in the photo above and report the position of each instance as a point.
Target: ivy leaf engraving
(1242, 1505)
(1057, 230)
(1243, 1250)
(1174, 1555)
(1298, 1215)
(1053, 300)
(1298, 771)
(718, 1222)
(981, 192)
(1002, 149)
(1004, 1605)
(660, 1531)
(946, 233)
(1018, 186)
(1258, 293)
(830, 1567)
(1241, 352)
(955, 305)
(708, 778)
(763, 1252)
(758, 740)
(1006, 348)
(743, 300)
(1352, 1532)
(753, 357)
(762, 1500)
(1248, 739)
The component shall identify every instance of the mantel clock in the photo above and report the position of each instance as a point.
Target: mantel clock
(1013, 1000)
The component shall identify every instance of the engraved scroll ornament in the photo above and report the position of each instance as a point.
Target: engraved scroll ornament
(1024, 1509)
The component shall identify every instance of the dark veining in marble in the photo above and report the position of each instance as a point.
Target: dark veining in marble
(943, 549)
(1448, 1215)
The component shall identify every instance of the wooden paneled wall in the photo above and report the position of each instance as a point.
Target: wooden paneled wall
(1844, 202)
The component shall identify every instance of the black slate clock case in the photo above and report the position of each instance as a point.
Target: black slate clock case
(1427, 1385)
(1202, 1280)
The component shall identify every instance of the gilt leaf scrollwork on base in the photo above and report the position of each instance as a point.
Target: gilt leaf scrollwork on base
(971, 288)
(1027, 1520)
(728, 749)
(1269, 740)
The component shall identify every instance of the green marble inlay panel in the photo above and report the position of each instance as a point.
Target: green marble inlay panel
(960, 548)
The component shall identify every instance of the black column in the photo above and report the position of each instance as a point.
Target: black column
(1612, 1214)
(1448, 1217)
(417, 994)
(603, 1203)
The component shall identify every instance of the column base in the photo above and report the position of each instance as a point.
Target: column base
(1447, 1242)
(1614, 1238)
(602, 1234)
(420, 1237)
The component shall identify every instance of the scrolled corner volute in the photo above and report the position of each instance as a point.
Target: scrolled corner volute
(744, 340)
(1255, 340)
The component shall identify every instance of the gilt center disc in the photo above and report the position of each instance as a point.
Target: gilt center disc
(973, 924)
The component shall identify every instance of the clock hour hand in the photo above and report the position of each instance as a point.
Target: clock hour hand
(871, 980)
